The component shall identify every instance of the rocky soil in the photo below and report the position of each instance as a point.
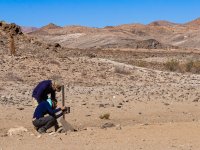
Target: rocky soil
(148, 108)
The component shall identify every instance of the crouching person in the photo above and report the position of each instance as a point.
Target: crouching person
(41, 122)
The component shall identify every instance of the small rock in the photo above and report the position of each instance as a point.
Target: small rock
(145, 124)
(101, 105)
(56, 45)
(107, 125)
(32, 134)
(118, 127)
(39, 136)
(20, 108)
(89, 129)
(119, 106)
(196, 100)
(112, 105)
(166, 104)
(15, 131)
(104, 116)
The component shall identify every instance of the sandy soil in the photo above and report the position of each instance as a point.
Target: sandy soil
(149, 109)
(147, 126)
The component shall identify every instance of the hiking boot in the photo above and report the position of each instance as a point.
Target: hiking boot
(56, 127)
(41, 130)
(60, 130)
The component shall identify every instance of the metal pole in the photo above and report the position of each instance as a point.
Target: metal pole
(63, 98)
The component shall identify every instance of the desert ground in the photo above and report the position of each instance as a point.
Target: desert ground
(150, 92)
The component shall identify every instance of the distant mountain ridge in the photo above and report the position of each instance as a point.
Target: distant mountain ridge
(123, 36)
(28, 29)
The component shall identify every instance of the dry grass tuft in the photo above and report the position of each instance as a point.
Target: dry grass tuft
(172, 65)
(121, 69)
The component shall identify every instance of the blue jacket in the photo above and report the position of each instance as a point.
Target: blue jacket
(41, 91)
(44, 108)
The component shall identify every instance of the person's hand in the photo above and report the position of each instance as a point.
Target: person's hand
(63, 108)
(66, 110)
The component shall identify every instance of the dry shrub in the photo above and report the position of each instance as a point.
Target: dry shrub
(105, 116)
(196, 67)
(91, 55)
(192, 66)
(182, 68)
(142, 63)
(121, 69)
(172, 65)
(189, 66)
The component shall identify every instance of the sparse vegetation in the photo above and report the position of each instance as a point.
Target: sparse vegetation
(91, 55)
(142, 63)
(121, 69)
(172, 65)
(196, 67)
(105, 116)
(189, 66)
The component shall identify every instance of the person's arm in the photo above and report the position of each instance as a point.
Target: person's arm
(52, 111)
(53, 94)
(59, 115)
(65, 110)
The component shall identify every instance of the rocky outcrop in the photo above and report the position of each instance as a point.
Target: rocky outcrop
(11, 28)
(150, 44)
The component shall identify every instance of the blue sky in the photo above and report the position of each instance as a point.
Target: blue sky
(97, 13)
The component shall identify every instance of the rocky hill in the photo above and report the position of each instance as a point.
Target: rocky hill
(28, 29)
(169, 35)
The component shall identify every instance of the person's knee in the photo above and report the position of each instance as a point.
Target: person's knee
(53, 120)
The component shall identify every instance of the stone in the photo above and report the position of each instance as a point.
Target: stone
(20, 108)
(39, 136)
(118, 127)
(101, 105)
(107, 125)
(119, 106)
(15, 131)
